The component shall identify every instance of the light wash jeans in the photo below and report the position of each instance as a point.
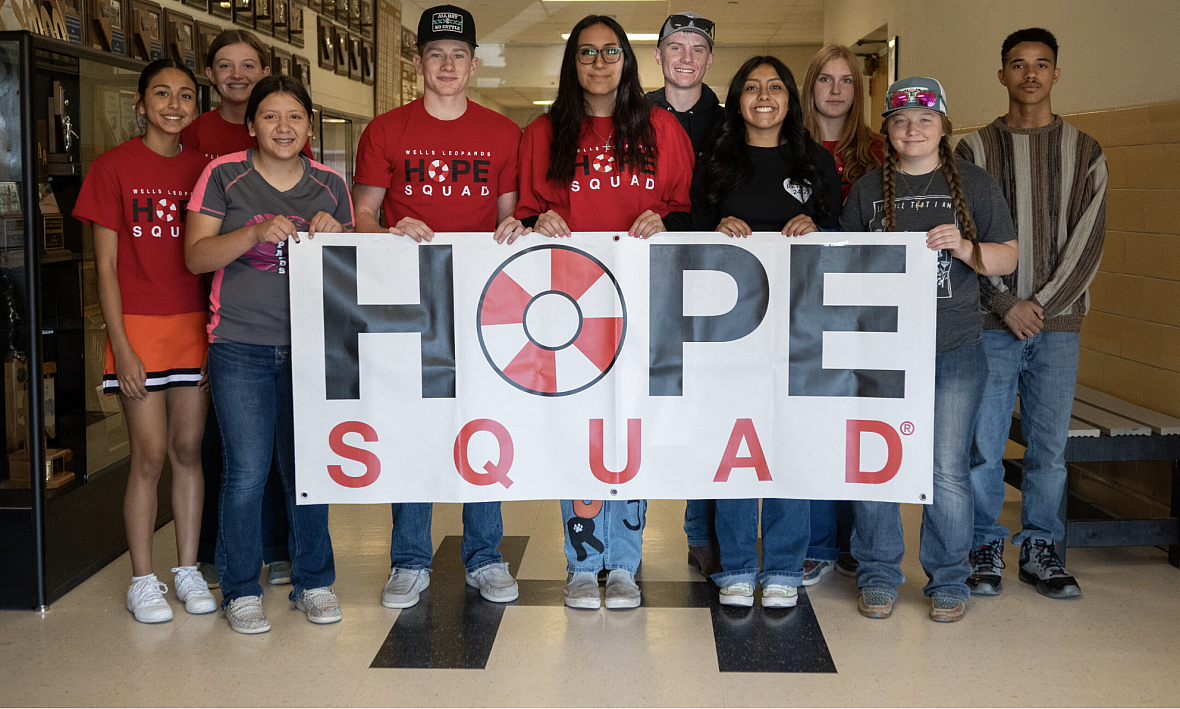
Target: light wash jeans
(603, 534)
(251, 387)
(786, 529)
(411, 548)
(1044, 369)
(877, 539)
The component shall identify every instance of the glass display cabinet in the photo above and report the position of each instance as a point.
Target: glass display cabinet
(65, 464)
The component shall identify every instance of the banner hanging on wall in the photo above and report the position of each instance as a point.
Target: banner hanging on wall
(686, 366)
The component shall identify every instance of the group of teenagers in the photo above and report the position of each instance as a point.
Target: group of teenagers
(192, 221)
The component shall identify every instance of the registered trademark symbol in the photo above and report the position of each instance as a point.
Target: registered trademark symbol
(907, 428)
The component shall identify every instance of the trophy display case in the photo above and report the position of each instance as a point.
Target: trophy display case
(66, 457)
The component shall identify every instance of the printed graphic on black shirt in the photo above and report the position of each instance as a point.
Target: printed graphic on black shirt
(801, 192)
(916, 205)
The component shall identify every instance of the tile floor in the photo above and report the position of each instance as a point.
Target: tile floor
(1118, 645)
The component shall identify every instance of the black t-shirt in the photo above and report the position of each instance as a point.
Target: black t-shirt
(922, 203)
(769, 199)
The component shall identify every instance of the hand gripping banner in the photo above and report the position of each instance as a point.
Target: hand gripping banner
(686, 366)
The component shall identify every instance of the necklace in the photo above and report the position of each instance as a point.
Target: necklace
(606, 141)
(924, 189)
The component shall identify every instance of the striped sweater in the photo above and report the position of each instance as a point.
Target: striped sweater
(1054, 178)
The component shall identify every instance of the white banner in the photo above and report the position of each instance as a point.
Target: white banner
(687, 366)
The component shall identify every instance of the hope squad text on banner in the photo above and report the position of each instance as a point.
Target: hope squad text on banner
(687, 366)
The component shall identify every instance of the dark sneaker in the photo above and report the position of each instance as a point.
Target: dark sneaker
(947, 609)
(1040, 565)
(847, 565)
(813, 570)
(707, 560)
(874, 603)
(986, 562)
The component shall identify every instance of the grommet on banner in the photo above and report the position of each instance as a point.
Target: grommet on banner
(303, 495)
(614, 493)
(922, 496)
(616, 237)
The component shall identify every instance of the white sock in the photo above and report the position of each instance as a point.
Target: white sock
(141, 578)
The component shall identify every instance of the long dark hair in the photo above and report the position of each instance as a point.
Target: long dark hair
(634, 137)
(727, 163)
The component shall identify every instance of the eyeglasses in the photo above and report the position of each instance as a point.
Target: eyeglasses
(675, 23)
(923, 97)
(610, 55)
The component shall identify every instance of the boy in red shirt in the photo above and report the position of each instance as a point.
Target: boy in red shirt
(441, 163)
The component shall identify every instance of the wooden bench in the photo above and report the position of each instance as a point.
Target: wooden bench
(1104, 428)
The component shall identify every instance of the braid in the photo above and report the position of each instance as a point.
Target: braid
(889, 190)
(951, 173)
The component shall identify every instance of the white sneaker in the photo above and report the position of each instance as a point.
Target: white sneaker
(193, 591)
(494, 583)
(145, 599)
(778, 596)
(737, 594)
(245, 615)
(404, 587)
(320, 605)
(581, 591)
(621, 590)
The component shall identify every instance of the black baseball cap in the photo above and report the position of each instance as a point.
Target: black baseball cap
(446, 22)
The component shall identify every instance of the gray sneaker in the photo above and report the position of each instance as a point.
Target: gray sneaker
(209, 573)
(245, 615)
(986, 562)
(404, 587)
(320, 605)
(494, 583)
(278, 573)
(621, 590)
(581, 591)
(1040, 565)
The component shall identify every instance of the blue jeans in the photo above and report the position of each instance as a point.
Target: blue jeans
(603, 534)
(251, 387)
(699, 523)
(877, 540)
(1044, 369)
(410, 546)
(831, 529)
(786, 528)
(274, 509)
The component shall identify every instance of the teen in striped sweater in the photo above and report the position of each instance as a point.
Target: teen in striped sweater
(1054, 178)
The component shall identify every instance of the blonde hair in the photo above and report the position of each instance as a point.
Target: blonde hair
(855, 145)
(950, 173)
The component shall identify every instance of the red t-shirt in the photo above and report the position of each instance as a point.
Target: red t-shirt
(601, 198)
(447, 174)
(143, 197)
(845, 185)
(214, 136)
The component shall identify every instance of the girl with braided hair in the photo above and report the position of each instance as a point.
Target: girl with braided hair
(959, 206)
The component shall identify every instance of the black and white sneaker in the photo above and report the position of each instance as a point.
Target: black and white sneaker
(986, 562)
(1040, 565)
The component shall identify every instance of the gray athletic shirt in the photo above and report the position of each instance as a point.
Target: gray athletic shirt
(923, 202)
(250, 298)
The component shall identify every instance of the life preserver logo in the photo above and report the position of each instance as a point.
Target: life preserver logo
(166, 210)
(551, 320)
(438, 171)
(603, 163)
